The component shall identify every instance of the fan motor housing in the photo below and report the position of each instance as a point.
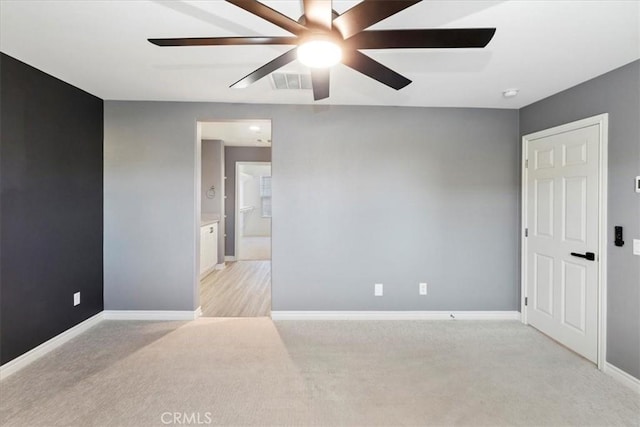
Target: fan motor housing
(303, 19)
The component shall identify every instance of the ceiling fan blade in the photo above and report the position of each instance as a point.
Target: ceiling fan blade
(271, 15)
(318, 14)
(266, 69)
(365, 14)
(431, 38)
(320, 83)
(369, 67)
(224, 41)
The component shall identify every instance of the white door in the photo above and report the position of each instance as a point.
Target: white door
(205, 249)
(562, 244)
(208, 247)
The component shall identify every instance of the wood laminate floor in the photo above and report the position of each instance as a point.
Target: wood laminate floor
(242, 289)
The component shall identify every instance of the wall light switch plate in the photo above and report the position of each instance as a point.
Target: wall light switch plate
(636, 246)
(377, 289)
(76, 299)
(423, 288)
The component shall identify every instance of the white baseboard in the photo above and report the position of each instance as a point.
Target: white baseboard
(621, 376)
(230, 258)
(220, 266)
(32, 355)
(151, 314)
(395, 315)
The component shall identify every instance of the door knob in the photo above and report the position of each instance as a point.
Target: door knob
(587, 255)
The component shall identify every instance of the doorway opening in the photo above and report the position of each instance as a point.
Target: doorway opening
(253, 207)
(236, 205)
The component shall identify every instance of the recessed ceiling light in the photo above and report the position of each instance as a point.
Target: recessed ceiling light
(510, 93)
(254, 128)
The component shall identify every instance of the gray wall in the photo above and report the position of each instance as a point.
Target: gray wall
(615, 93)
(361, 195)
(231, 156)
(213, 174)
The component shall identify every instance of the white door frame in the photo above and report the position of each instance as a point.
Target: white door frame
(236, 224)
(602, 120)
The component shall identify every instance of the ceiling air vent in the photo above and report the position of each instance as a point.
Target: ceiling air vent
(291, 81)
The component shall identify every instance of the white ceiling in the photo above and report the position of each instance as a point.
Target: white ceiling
(247, 133)
(540, 47)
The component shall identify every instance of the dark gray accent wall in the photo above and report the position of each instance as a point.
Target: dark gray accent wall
(615, 93)
(231, 156)
(51, 206)
(360, 195)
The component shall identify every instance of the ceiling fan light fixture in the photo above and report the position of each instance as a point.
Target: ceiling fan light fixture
(319, 53)
(321, 33)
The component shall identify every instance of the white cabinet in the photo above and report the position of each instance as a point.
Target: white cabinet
(208, 247)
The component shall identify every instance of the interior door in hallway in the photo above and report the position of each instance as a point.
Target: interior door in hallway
(562, 220)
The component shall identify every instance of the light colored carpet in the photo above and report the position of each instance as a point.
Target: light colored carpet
(259, 372)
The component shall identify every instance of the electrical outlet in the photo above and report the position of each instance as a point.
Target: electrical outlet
(76, 299)
(423, 288)
(636, 246)
(377, 289)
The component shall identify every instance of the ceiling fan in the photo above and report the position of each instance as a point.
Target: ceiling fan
(323, 38)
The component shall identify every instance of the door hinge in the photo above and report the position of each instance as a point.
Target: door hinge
(526, 163)
(526, 301)
(526, 232)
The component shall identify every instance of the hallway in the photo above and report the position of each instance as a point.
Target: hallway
(242, 289)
